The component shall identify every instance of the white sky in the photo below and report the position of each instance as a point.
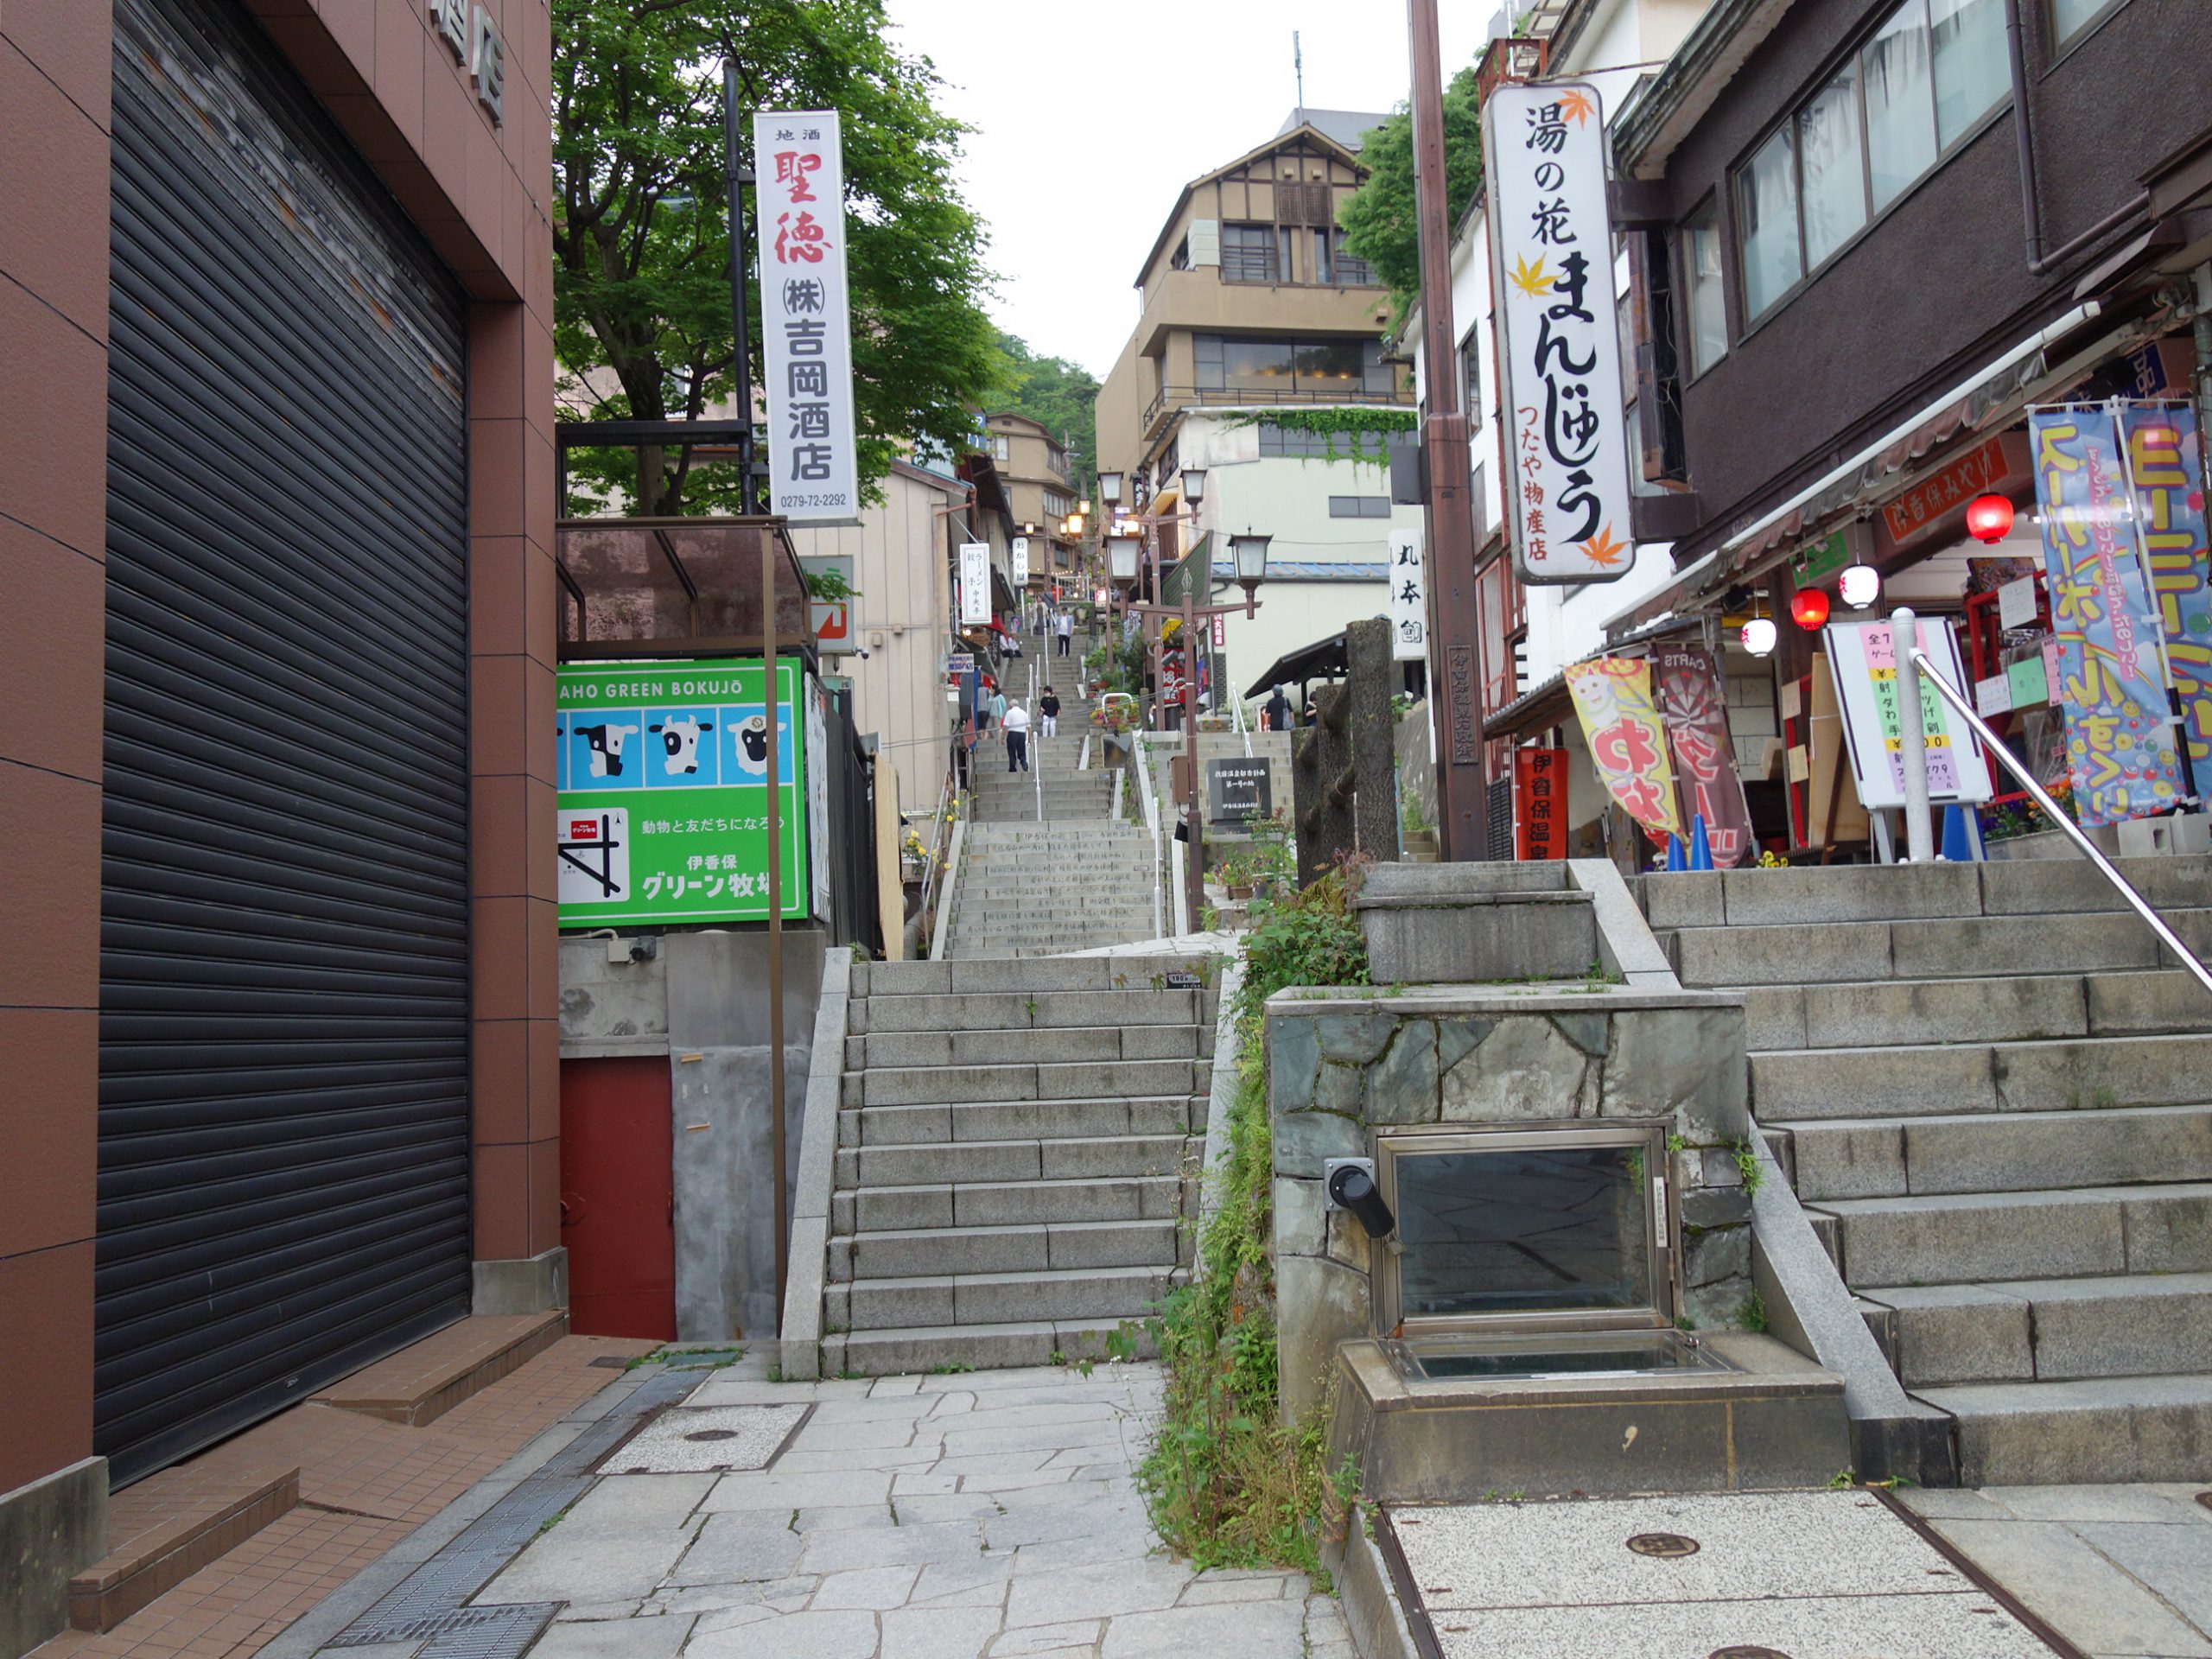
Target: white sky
(1091, 114)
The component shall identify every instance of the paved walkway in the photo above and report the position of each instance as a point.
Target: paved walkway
(991, 1514)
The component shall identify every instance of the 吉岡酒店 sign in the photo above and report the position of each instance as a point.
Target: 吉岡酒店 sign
(806, 344)
(1567, 480)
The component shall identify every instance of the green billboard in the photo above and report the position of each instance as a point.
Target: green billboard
(662, 784)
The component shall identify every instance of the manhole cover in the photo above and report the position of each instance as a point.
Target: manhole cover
(699, 1441)
(714, 1435)
(1668, 1545)
(1748, 1653)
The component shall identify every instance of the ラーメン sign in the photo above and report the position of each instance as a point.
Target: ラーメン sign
(807, 348)
(1566, 483)
(661, 783)
(974, 582)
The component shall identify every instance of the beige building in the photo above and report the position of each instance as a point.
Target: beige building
(1032, 462)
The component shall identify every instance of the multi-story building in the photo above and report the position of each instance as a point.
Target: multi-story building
(1031, 461)
(1254, 325)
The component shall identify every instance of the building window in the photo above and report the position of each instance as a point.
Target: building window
(1924, 81)
(1470, 379)
(1248, 254)
(1708, 306)
(1350, 272)
(2069, 17)
(1298, 444)
(1058, 505)
(1001, 447)
(1359, 506)
(1307, 370)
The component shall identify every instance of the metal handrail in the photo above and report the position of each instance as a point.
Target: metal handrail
(2052, 810)
(940, 834)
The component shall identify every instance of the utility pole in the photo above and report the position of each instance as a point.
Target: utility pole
(1455, 659)
(742, 370)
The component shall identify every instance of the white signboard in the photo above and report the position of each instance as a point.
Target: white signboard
(806, 345)
(1864, 662)
(974, 582)
(1020, 562)
(2016, 604)
(1551, 250)
(1409, 598)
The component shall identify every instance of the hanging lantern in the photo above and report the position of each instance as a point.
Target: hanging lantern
(1808, 607)
(1989, 519)
(1759, 636)
(1860, 585)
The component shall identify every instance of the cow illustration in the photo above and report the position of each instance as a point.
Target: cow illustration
(605, 743)
(752, 734)
(679, 742)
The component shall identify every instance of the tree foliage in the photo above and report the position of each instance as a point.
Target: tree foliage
(1061, 395)
(1379, 220)
(641, 228)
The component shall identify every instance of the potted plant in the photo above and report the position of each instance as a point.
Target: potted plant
(1236, 873)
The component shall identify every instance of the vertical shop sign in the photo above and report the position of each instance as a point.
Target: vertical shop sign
(2165, 470)
(1693, 700)
(1627, 740)
(975, 583)
(2120, 742)
(1409, 598)
(807, 346)
(1551, 252)
(1020, 559)
(1540, 826)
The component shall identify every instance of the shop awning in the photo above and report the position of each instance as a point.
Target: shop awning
(674, 587)
(1322, 660)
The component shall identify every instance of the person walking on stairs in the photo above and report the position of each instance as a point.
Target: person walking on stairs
(1278, 711)
(1065, 630)
(1016, 722)
(1048, 713)
(998, 707)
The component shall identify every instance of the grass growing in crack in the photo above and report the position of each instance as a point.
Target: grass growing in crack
(1747, 1165)
(951, 1368)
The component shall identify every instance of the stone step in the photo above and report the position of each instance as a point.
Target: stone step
(1130, 1042)
(1945, 1079)
(1038, 906)
(926, 1085)
(1893, 892)
(997, 1298)
(1998, 1152)
(2049, 1330)
(963, 1162)
(1036, 1010)
(979, 1347)
(1017, 1120)
(1993, 1009)
(2095, 1431)
(1064, 1247)
(2070, 1233)
(1007, 1203)
(1053, 948)
(1095, 974)
(1968, 947)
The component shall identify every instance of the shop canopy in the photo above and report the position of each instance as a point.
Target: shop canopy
(675, 587)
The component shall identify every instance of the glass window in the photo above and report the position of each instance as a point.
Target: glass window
(1376, 378)
(1900, 104)
(1248, 254)
(1708, 306)
(1256, 365)
(1833, 167)
(1330, 366)
(1350, 272)
(1322, 272)
(1359, 506)
(1766, 211)
(2069, 17)
(1471, 372)
(1973, 70)
(1002, 448)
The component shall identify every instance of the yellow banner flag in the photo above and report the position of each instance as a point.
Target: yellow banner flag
(1627, 739)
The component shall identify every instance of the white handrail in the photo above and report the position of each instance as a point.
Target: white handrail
(2051, 810)
(1237, 709)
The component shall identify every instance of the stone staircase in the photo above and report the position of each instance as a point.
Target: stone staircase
(1017, 1149)
(1064, 789)
(1992, 1089)
(1048, 889)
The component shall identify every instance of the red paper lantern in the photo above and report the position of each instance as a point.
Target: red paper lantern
(1809, 607)
(1989, 519)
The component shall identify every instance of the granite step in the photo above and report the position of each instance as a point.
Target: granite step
(1947, 1078)
(980, 1347)
(2008, 1007)
(1129, 1292)
(1064, 1246)
(2047, 1330)
(1970, 947)
(1131, 1042)
(1007, 1203)
(1041, 1009)
(2098, 1430)
(1042, 1119)
(2070, 1233)
(1997, 1152)
(963, 1162)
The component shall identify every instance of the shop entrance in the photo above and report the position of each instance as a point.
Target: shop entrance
(618, 1197)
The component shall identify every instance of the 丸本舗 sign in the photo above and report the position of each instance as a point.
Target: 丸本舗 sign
(1409, 598)
(974, 582)
(661, 783)
(2119, 734)
(805, 320)
(1694, 705)
(1551, 243)
(1627, 739)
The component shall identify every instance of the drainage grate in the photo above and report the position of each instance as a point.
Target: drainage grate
(521, 1515)
(612, 1362)
(1667, 1546)
(506, 1636)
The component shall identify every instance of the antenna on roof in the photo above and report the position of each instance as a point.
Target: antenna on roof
(1298, 64)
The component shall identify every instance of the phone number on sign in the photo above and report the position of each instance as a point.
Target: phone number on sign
(785, 503)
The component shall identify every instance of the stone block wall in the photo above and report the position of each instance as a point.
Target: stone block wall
(1346, 1064)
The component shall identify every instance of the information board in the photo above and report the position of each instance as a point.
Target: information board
(1863, 657)
(1239, 788)
(662, 793)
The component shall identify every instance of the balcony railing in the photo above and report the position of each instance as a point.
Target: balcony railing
(1247, 398)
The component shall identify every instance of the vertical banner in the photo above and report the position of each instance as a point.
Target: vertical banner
(1409, 598)
(1627, 740)
(2119, 736)
(1021, 561)
(975, 583)
(1540, 786)
(805, 326)
(2165, 472)
(1551, 255)
(1693, 702)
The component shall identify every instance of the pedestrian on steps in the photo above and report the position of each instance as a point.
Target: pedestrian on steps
(1065, 630)
(1016, 722)
(1048, 713)
(1278, 710)
(998, 707)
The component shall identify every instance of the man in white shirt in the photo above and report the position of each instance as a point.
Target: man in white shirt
(1065, 629)
(1016, 722)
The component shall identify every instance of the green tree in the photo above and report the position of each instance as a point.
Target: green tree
(641, 229)
(1061, 395)
(1379, 221)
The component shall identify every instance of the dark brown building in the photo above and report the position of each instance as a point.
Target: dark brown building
(278, 1016)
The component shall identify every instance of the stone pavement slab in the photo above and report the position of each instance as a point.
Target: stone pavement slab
(1844, 1627)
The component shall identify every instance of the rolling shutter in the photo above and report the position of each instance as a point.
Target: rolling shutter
(283, 1131)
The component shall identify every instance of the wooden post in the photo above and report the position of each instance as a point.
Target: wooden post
(776, 1132)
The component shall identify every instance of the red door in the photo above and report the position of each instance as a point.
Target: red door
(618, 1197)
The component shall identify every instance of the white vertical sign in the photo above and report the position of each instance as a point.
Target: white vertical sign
(1020, 562)
(806, 345)
(974, 582)
(1551, 251)
(1409, 598)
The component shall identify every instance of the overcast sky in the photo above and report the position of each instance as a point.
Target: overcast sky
(1091, 116)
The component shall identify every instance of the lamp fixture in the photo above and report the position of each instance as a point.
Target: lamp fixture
(1250, 552)
(1110, 486)
(1194, 485)
(1860, 585)
(1758, 635)
(1123, 548)
(1989, 519)
(1808, 609)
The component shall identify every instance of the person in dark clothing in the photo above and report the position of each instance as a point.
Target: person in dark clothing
(1279, 711)
(1312, 715)
(1016, 722)
(1048, 713)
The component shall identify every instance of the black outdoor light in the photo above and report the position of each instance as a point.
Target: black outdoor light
(1351, 1186)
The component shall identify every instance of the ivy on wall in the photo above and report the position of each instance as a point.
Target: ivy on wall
(1330, 424)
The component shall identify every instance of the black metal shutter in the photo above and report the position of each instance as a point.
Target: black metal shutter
(283, 1133)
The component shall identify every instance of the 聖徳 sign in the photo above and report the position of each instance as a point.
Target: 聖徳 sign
(661, 783)
(1627, 739)
(807, 348)
(1551, 245)
(1409, 598)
